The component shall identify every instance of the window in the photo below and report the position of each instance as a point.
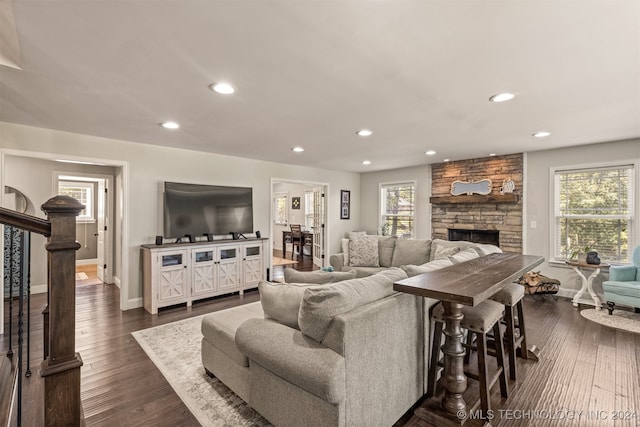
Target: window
(397, 209)
(594, 210)
(82, 192)
(280, 209)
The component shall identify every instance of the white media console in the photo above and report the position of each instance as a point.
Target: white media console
(178, 273)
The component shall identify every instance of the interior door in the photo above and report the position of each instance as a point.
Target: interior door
(102, 219)
(319, 202)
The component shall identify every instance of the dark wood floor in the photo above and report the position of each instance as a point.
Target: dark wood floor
(583, 366)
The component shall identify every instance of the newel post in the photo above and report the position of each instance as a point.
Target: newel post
(61, 367)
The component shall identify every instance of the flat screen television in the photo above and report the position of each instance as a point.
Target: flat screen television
(196, 209)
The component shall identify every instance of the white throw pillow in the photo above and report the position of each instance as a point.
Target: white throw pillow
(363, 252)
(466, 255)
(486, 249)
(414, 270)
(444, 252)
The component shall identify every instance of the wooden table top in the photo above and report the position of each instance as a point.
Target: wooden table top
(585, 265)
(470, 282)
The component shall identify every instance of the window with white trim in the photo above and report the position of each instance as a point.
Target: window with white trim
(594, 210)
(397, 209)
(308, 210)
(82, 192)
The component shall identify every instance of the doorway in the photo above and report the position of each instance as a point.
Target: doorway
(94, 227)
(296, 203)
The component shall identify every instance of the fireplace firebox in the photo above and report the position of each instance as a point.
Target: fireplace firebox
(491, 237)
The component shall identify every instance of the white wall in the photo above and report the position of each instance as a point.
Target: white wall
(369, 197)
(149, 166)
(539, 199)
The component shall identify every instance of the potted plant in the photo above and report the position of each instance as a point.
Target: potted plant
(580, 254)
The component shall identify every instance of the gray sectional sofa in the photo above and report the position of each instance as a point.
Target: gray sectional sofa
(349, 353)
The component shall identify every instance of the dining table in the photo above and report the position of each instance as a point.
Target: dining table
(464, 284)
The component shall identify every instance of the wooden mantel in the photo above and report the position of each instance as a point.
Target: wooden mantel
(476, 198)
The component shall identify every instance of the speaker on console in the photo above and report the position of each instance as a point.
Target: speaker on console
(159, 240)
(258, 235)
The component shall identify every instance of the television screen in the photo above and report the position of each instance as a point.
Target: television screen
(199, 209)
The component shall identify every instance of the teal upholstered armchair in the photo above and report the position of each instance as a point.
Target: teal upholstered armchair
(623, 286)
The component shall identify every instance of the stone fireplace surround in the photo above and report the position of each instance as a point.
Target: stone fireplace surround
(474, 217)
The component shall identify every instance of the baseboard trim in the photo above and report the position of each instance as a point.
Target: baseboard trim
(38, 289)
(134, 303)
(116, 281)
(87, 261)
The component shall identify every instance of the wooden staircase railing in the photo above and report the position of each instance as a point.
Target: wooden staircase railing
(61, 364)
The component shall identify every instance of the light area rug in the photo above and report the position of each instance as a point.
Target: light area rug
(175, 349)
(620, 319)
(283, 261)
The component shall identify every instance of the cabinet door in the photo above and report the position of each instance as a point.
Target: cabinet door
(229, 268)
(203, 283)
(173, 269)
(252, 264)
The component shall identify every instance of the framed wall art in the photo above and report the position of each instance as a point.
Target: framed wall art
(345, 204)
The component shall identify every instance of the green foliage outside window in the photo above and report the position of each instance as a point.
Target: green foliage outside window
(594, 211)
(398, 209)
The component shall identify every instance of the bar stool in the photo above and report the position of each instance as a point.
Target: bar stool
(511, 297)
(478, 320)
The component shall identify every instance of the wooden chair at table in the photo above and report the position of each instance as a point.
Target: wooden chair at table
(296, 239)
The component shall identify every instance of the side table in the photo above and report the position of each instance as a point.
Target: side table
(587, 282)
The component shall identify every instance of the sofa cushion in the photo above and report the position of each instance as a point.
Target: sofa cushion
(219, 328)
(627, 289)
(386, 246)
(363, 251)
(281, 301)
(320, 305)
(411, 251)
(414, 270)
(318, 277)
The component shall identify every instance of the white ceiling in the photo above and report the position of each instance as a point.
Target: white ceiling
(311, 73)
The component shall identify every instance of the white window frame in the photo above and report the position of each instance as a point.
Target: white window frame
(634, 202)
(88, 213)
(308, 209)
(381, 207)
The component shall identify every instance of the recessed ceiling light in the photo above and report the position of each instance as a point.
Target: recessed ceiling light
(492, 154)
(366, 162)
(223, 88)
(430, 153)
(502, 97)
(446, 160)
(364, 132)
(542, 134)
(170, 125)
(297, 149)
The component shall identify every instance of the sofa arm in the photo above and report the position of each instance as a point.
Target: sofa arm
(296, 358)
(337, 261)
(622, 273)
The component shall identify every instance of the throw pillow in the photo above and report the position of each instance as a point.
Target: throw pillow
(281, 301)
(465, 255)
(363, 252)
(321, 304)
(444, 252)
(414, 270)
(439, 246)
(485, 249)
(317, 277)
(411, 251)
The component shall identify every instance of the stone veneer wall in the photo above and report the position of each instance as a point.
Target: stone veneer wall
(480, 215)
